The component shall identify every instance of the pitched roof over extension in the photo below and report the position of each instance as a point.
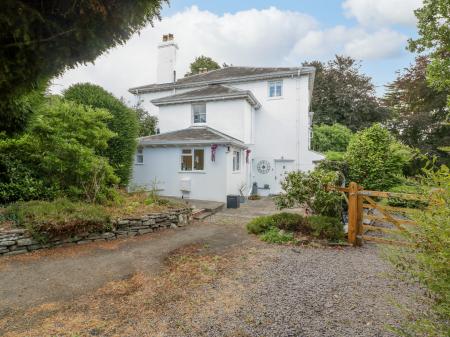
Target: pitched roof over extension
(194, 135)
(212, 92)
(225, 75)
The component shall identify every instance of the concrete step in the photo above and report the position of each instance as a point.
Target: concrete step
(203, 215)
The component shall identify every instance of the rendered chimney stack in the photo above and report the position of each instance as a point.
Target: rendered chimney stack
(167, 56)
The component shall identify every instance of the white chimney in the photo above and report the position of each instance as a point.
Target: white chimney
(167, 56)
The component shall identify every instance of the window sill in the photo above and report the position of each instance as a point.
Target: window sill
(200, 172)
(274, 98)
(138, 163)
(236, 172)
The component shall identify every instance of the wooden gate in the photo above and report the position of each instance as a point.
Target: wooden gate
(359, 199)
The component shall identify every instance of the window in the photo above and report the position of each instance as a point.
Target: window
(236, 160)
(275, 88)
(192, 160)
(140, 155)
(198, 113)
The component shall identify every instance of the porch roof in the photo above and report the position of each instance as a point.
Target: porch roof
(194, 135)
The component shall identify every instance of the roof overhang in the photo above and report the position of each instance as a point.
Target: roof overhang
(181, 143)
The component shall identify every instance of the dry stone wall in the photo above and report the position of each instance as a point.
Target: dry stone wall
(18, 241)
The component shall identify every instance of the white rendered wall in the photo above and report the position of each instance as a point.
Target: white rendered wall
(235, 179)
(167, 57)
(163, 164)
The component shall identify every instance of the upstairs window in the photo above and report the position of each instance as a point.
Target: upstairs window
(275, 88)
(236, 160)
(199, 113)
(140, 155)
(192, 160)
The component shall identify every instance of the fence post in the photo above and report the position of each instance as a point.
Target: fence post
(359, 222)
(352, 213)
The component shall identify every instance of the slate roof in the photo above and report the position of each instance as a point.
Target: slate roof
(225, 75)
(209, 93)
(191, 136)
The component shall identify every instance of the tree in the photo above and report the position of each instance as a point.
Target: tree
(41, 39)
(58, 155)
(331, 137)
(124, 124)
(434, 36)
(147, 122)
(419, 111)
(343, 95)
(202, 62)
(375, 159)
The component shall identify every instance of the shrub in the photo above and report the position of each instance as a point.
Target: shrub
(375, 160)
(427, 260)
(58, 154)
(275, 235)
(409, 189)
(331, 137)
(58, 218)
(259, 225)
(326, 227)
(124, 123)
(310, 189)
(287, 221)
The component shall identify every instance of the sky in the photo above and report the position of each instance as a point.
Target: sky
(261, 33)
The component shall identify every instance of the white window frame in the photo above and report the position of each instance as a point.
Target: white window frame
(140, 156)
(275, 84)
(193, 114)
(192, 155)
(237, 160)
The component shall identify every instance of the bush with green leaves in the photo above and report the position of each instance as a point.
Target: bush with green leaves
(59, 218)
(375, 159)
(276, 235)
(326, 227)
(407, 189)
(331, 137)
(310, 188)
(124, 123)
(58, 154)
(283, 220)
(427, 260)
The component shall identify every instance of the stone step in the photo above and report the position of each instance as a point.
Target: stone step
(203, 215)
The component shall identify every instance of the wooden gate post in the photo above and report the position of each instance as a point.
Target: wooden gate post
(353, 213)
(360, 216)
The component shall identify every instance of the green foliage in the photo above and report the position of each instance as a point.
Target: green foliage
(58, 155)
(42, 39)
(275, 235)
(147, 122)
(58, 218)
(326, 227)
(343, 95)
(202, 62)
(410, 189)
(331, 138)
(288, 221)
(434, 31)
(375, 159)
(334, 156)
(419, 111)
(124, 123)
(259, 225)
(310, 189)
(427, 261)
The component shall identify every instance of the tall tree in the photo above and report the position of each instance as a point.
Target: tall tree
(41, 39)
(419, 111)
(342, 94)
(147, 122)
(124, 123)
(202, 62)
(434, 37)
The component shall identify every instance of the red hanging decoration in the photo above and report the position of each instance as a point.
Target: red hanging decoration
(247, 155)
(213, 152)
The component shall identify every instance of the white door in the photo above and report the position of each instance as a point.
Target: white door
(282, 168)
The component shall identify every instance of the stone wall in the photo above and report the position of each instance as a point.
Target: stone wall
(18, 241)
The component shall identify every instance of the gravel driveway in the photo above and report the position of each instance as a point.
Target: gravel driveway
(232, 285)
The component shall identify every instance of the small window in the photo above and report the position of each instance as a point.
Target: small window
(192, 160)
(199, 113)
(236, 160)
(275, 88)
(140, 155)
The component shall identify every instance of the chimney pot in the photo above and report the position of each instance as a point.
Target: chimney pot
(165, 38)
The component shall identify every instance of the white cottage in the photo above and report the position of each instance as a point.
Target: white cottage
(224, 131)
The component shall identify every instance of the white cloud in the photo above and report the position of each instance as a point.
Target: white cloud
(268, 37)
(382, 12)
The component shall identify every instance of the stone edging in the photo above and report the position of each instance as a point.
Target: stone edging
(19, 241)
